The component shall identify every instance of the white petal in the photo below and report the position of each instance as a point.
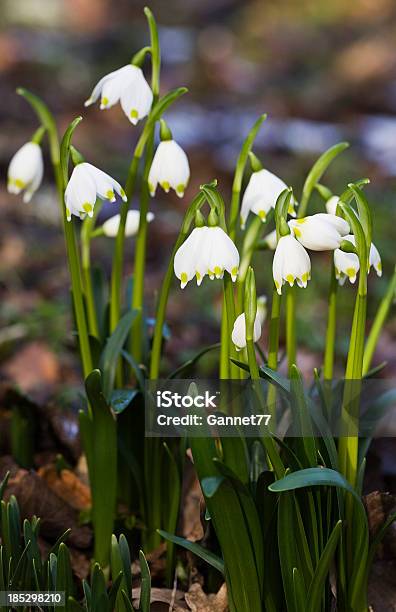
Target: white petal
(106, 186)
(261, 194)
(346, 264)
(136, 97)
(238, 335)
(110, 226)
(320, 232)
(221, 253)
(291, 263)
(375, 259)
(109, 86)
(170, 168)
(331, 205)
(186, 262)
(80, 193)
(25, 170)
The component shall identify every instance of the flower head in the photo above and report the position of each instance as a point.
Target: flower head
(86, 184)
(321, 232)
(207, 250)
(261, 195)
(347, 265)
(291, 263)
(110, 226)
(25, 171)
(170, 168)
(238, 335)
(128, 86)
(331, 205)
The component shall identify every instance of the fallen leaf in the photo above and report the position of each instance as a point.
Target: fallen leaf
(67, 486)
(198, 601)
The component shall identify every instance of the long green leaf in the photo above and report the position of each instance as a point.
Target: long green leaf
(145, 592)
(112, 351)
(316, 589)
(195, 548)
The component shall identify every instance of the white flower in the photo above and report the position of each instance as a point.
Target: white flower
(238, 335)
(347, 264)
(331, 205)
(207, 250)
(271, 240)
(170, 168)
(86, 184)
(110, 226)
(127, 85)
(291, 263)
(321, 232)
(261, 195)
(375, 260)
(25, 171)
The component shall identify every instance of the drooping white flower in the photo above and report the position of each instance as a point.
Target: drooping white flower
(291, 263)
(110, 226)
(207, 250)
(86, 184)
(375, 259)
(25, 171)
(331, 205)
(347, 265)
(128, 86)
(261, 195)
(320, 232)
(170, 168)
(238, 335)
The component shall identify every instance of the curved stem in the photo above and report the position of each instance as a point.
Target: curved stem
(249, 242)
(141, 239)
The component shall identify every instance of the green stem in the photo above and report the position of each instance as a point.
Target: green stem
(229, 299)
(378, 323)
(165, 288)
(224, 344)
(85, 237)
(328, 367)
(161, 312)
(116, 277)
(249, 243)
(291, 347)
(273, 348)
(141, 239)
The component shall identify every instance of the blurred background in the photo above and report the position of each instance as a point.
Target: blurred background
(323, 71)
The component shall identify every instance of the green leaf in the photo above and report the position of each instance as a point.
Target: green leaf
(103, 470)
(145, 593)
(64, 576)
(127, 603)
(301, 416)
(195, 548)
(316, 589)
(317, 171)
(65, 149)
(287, 547)
(113, 350)
(300, 596)
(170, 506)
(120, 399)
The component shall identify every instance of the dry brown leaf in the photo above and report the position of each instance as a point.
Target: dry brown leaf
(34, 366)
(36, 498)
(198, 601)
(67, 486)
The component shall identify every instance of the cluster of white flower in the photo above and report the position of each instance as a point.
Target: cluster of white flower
(170, 167)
